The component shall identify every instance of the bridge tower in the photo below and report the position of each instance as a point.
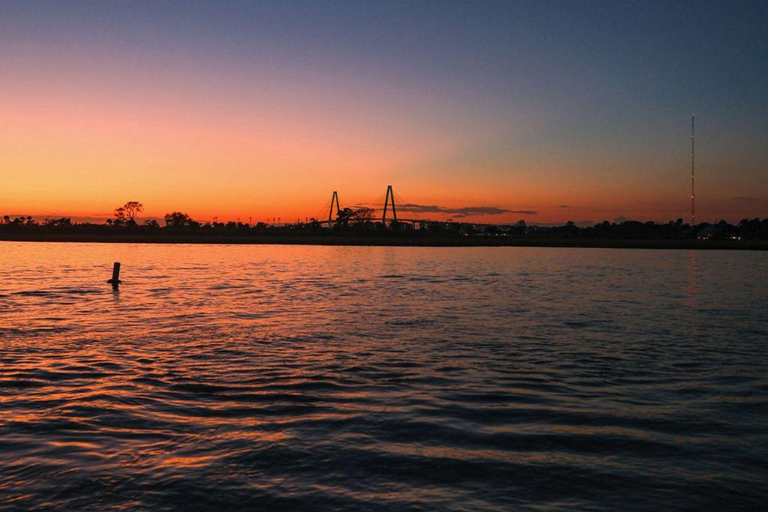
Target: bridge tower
(334, 199)
(390, 193)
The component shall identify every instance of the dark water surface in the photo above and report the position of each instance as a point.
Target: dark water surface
(365, 378)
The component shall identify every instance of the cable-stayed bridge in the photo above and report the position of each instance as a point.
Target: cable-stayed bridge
(367, 212)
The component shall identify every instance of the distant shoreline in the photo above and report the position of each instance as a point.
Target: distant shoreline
(394, 241)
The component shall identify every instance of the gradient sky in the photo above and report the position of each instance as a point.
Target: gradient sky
(572, 110)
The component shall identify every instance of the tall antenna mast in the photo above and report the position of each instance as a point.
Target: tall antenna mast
(693, 171)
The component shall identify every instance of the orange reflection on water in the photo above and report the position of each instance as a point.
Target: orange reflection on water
(185, 462)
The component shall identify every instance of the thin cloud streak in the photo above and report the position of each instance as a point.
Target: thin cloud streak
(466, 211)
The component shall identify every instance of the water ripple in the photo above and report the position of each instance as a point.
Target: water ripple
(295, 378)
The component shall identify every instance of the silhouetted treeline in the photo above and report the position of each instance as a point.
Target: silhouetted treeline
(746, 229)
(362, 224)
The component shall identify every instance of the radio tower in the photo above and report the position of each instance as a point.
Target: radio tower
(693, 171)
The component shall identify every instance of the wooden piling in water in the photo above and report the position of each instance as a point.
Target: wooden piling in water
(115, 281)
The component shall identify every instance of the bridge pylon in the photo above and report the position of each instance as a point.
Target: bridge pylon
(334, 199)
(390, 193)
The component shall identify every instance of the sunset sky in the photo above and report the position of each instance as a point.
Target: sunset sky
(543, 111)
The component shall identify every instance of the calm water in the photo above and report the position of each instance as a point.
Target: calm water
(355, 378)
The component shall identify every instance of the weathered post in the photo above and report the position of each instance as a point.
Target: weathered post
(115, 281)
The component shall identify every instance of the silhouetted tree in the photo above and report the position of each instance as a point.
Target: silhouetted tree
(363, 214)
(179, 220)
(132, 209)
(127, 213)
(343, 217)
(346, 216)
